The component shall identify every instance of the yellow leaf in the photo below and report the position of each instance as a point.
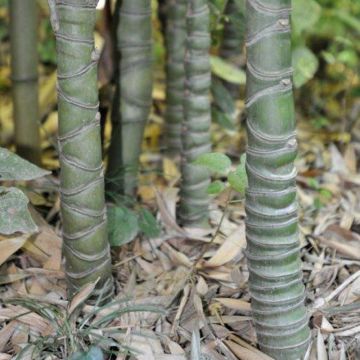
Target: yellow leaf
(170, 170)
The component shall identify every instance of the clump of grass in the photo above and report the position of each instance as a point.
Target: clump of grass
(76, 328)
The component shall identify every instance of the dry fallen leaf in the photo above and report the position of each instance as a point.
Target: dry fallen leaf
(82, 296)
(235, 304)
(244, 354)
(320, 347)
(9, 245)
(231, 247)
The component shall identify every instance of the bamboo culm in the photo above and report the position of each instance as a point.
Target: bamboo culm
(24, 75)
(86, 249)
(233, 39)
(175, 73)
(133, 95)
(195, 136)
(274, 264)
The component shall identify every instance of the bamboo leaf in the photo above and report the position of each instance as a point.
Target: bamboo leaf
(224, 120)
(13, 167)
(305, 17)
(305, 65)
(123, 225)
(81, 296)
(244, 353)
(215, 162)
(14, 213)
(148, 224)
(216, 187)
(320, 347)
(233, 244)
(222, 97)
(227, 71)
(238, 178)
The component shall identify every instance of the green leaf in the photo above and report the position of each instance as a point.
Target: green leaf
(148, 224)
(216, 187)
(305, 65)
(227, 71)
(240, 4)
(95, 353)
(122, 225)
(47, 47)
(222, 97)
(215, 162)
(13, 167)
(14, 212)
(223, 119)
(305, 16)
(238, 178)
(219, 5)
(348, 19)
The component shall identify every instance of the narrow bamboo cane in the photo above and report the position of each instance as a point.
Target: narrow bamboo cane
(272, 225)
(233, 38)
(195, 137)
(175, 73)
(86, 248)
(133, 92)
(24, 75)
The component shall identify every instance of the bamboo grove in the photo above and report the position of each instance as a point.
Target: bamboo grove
(273, 258)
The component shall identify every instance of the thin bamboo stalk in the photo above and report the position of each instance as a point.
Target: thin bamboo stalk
(233, 38)
(195, 138)
(175, 73)
(24, 75)
(132, 101)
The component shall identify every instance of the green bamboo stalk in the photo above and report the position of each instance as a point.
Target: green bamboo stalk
(86, 248)
(195, 137)
(175, 73)
(24, 75)
(132, 101)
(233, 38)
(272, 225)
